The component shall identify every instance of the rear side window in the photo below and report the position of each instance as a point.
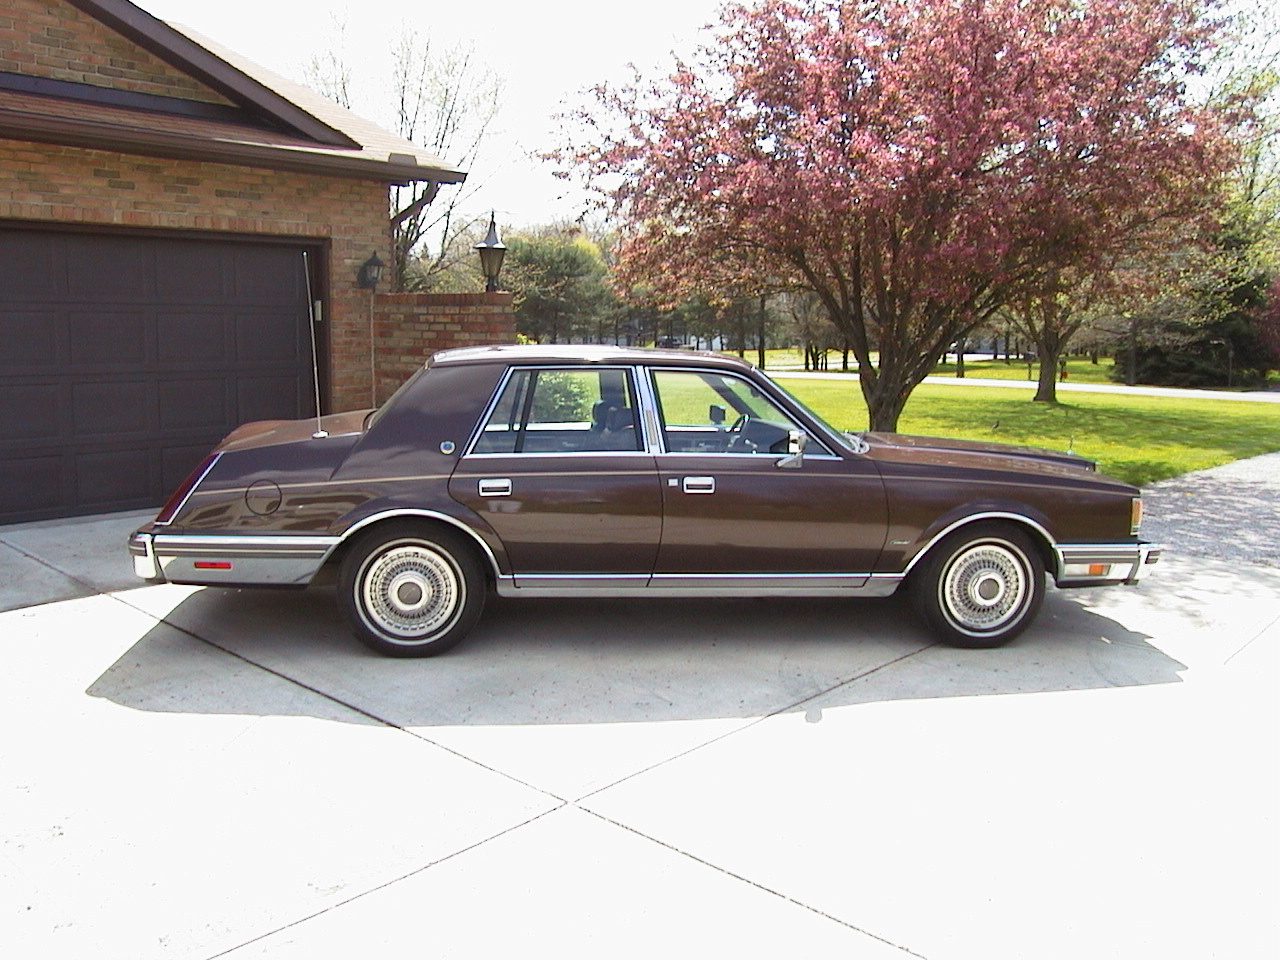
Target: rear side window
(547, 411)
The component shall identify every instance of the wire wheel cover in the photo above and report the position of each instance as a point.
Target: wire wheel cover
(984, 588)
(410, 592)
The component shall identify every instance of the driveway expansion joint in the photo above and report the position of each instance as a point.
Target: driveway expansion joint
(759, 886)
(388, 883)
(757, 720)
(335, 700)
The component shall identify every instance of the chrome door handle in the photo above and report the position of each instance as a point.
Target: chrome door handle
(699, 485)
(496, 487)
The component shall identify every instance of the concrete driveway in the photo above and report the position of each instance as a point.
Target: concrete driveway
(198, 774)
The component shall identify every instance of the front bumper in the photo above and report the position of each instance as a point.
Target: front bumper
(1095, 564)
(211, 560)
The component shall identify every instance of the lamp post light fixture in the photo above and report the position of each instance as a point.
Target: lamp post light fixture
(370, 272)
(491, 251)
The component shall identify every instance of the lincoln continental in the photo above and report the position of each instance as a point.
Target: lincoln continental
(543, 471)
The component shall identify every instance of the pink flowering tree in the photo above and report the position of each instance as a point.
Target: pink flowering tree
(915, 164)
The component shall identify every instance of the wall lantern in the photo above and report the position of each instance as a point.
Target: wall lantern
(491, 251)
(370, 272)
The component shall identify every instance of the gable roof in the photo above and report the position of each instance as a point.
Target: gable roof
(273, 122)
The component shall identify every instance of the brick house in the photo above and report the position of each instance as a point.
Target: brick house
(169, 213)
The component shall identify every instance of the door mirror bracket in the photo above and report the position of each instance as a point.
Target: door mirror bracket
(797, 440)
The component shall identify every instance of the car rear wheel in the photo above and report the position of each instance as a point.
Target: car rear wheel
(981, 586)
(408, 592)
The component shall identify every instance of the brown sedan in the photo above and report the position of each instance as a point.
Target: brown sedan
(590, 471)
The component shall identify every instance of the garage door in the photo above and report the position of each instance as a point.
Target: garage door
(124, 358)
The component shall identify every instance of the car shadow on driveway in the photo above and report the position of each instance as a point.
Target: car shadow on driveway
(608, 661)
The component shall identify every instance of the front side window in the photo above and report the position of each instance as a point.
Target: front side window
(706, 412)
(563, 411)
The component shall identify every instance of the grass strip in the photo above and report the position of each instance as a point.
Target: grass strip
(1133, 438)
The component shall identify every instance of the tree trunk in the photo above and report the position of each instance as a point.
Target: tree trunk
(884, 406)
(760, 322)
(1049, 348)
(960, 345)
(1131, 362)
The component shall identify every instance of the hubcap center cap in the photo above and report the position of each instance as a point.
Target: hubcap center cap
(988, 590)
(409, 593)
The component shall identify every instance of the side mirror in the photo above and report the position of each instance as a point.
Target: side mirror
(797, 440)
(716, 414)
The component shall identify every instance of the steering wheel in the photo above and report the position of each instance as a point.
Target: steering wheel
(740, 442)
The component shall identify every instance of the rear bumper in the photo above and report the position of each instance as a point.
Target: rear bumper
(228, 560)
(1095, 564)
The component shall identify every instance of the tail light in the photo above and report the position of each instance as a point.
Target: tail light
(179, 498)
(1135, 516)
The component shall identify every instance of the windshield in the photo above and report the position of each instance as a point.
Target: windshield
(836, 434)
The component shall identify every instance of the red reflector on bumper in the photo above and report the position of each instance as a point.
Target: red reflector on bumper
(213, 564)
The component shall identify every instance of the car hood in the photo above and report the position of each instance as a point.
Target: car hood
(902, 448)
(264, 433)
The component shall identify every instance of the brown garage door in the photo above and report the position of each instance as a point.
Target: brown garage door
(124, 358)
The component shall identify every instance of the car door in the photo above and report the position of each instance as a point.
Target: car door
(736, 506)
(560, 469)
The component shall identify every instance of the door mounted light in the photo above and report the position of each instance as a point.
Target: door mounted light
(370, 272)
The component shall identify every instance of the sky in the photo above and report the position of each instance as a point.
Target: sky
(547, 52)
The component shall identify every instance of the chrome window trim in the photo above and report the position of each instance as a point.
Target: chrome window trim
(758, 457)
(194, 487)
(777, 399)
(564, 453)
(478, 430)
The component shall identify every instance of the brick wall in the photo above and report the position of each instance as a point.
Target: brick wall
(70, 185)
(409, 327)
(51, 38)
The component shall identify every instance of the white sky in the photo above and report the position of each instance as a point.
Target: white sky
(547, 51)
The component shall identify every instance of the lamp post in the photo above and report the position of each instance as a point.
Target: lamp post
(491, 251)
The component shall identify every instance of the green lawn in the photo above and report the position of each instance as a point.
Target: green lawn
(1077, 369)
(1136, 439)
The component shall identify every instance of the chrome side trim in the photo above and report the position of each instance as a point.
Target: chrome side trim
(254, 559)
(249, 544)
(261, 570)
(700, 585)
(194, 487)
(428, 514)
(582, 585)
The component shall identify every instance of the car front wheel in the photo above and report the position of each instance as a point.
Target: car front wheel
(981, 586)
(411, 593)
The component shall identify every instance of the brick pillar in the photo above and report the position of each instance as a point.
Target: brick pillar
(409, 327)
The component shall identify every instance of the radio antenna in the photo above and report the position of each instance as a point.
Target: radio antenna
(315, 362)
